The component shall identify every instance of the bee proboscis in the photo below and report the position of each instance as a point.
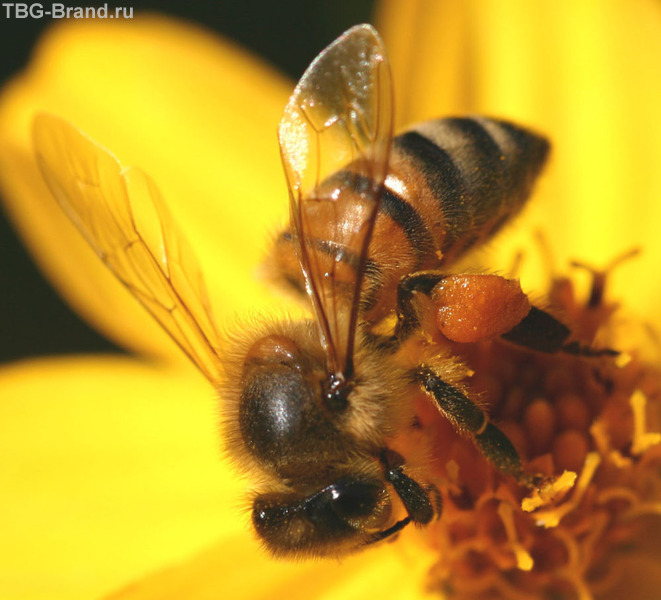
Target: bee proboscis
(377, 221)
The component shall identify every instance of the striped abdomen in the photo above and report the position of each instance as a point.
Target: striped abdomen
(451, 184)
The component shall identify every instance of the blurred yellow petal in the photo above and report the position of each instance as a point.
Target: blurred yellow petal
(193, 111)
(110, 469)
(235, 571)
(588, 74)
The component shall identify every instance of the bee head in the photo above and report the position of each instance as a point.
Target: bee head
(313, 442)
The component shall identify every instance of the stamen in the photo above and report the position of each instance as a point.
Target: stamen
(643, 508)
(598, 523)
(523, 559)
(568, 539)
(642, 440)
(636, 507)
(582, 590)
(574, 571)
(617, 493)
(549, 492)
(553, 516)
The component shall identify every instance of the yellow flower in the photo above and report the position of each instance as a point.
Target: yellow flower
(111, 467)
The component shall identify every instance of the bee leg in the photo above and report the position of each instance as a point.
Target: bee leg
(407, 313)
(542, 332)
(476, 307)
(467, 416)
(538, 331)
(414, 497)
(382, 535)
(464, 308)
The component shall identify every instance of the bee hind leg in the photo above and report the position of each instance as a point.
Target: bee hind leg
(470, 308)
(465, 308)
(422, 282)
(542, 332)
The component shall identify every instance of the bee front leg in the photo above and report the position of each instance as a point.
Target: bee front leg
(466, 416)
(415, 498)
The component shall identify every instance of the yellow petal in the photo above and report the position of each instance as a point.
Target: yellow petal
(109, 470)
(235, 571)
(588, 74)
(193, 111)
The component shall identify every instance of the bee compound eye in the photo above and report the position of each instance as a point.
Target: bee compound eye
(274, 409)
(274, 349)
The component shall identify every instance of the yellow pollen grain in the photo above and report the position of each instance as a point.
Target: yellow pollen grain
(553, 516)
(549, 492)
(523, 559)
(642, 440)
(622, 360)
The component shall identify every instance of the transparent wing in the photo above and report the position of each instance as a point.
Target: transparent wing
(120, 212)
(335, 139)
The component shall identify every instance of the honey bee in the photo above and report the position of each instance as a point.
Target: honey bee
(312, 408)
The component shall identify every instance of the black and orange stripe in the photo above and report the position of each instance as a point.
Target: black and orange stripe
(452, 183)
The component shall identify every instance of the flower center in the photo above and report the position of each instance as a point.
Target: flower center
(585, 427)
